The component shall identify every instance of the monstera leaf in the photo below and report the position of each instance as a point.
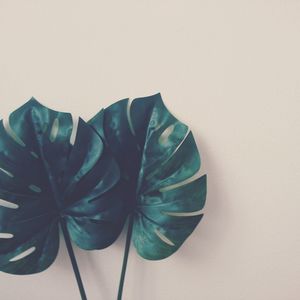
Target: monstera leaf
(51, 175)
(157, 155)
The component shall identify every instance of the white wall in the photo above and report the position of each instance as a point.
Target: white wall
(230, 69)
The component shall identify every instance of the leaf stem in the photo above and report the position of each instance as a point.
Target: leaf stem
(72, 258)
(125, 259)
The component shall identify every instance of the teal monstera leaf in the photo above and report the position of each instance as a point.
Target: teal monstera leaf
(157, 155)
(51, 175)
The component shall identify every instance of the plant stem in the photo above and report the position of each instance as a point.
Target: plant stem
(125, 259)
(72, 258)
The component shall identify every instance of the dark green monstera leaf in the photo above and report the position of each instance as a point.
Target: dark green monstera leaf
(51, 174)
(157, 154)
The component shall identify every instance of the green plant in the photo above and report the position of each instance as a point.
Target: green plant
(130, 162)
(49, 177)
(157, 155)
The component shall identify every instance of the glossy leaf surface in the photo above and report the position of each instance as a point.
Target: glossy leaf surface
(50, 171)
(156, 153)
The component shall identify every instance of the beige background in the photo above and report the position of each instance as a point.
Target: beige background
(230, 69)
